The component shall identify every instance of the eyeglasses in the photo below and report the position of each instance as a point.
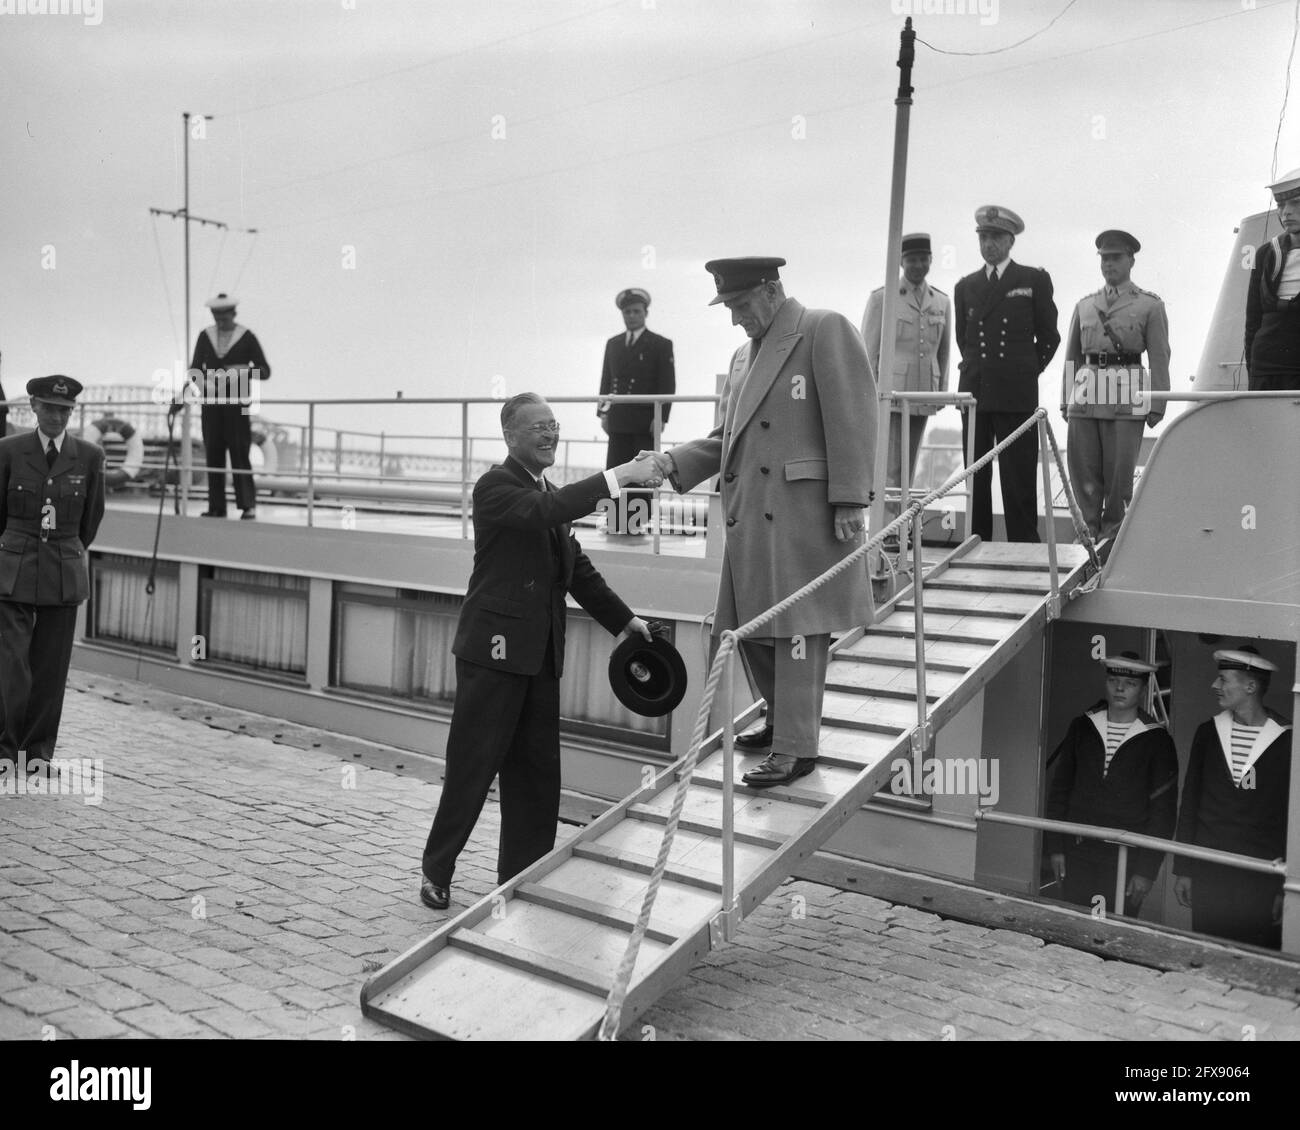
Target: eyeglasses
(553, 428)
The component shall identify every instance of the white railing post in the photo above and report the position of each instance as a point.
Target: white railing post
(656, 445)
(921, 735)
(311, 462)
(1044, 450)
(905, 476)
(728, 795)
(970, 410)
(1121, 878)
(464, 468)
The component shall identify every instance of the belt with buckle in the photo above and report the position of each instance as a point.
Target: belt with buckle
(1112, 358)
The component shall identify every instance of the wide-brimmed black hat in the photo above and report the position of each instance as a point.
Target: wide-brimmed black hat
(648, 678)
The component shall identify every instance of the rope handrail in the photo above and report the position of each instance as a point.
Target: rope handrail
(729, 640)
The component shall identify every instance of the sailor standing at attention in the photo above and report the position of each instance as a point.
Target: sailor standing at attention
(920, 353)
(1006, 328)
(1273, 298)
(1103, 391)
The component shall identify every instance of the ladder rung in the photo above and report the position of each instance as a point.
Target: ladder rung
(552, 968)
(589, 909)
(742, 834)
(630, 861)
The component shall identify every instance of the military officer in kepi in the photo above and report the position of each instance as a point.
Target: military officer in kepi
(1116, 768)
(51, 503)
(1235, 799)
(1273, 299)
(1104, 389)
(1006, 330)
(637, 361)
(920, 358)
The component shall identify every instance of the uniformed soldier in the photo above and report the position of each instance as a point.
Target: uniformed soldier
(921, 351)
(1005, 321)
(51, 503)
(1103, 391)
(1235, 799)
(1115, 768)
(637, 361)
(1272, 345)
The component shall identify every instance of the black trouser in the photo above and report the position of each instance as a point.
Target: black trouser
(35, 651)
(1090, 870)
(632, 504)
(226, 429)
(1018, 472)
(502, 724)
(1230, 903)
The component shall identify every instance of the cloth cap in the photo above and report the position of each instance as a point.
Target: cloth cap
(1127, 663)
(1115, 240)
(733, 277)
(648, 678)
(1287, 188)
(995, 218)
(632, 294)
(916, 241)
(1243, 658)
(55, 390)
(222, 302)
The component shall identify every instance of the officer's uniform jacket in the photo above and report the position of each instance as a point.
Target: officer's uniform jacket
(797, 438)
(1139, 324)
(1137, 792)
(48, 518)
(1007, 334)
(921, 350)
(1218, 812)
(647, 370)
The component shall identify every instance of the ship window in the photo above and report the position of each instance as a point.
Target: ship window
(395, 642)
(253, 619)
(122, 612)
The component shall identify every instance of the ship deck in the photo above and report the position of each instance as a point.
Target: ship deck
(260, 912)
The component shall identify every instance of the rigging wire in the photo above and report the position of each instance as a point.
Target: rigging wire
(251, 244)
(216, 267)
(1286, 92)
(162, 272)
(1009, 46)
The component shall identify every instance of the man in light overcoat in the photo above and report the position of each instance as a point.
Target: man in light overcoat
(795, 453)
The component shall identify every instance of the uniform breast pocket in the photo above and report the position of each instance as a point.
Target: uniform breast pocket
(24, 499)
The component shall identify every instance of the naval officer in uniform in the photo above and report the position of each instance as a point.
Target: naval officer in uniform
(920, 353)
(1103, 391)
(1116, 768)
(1273, 298)
(637, 361)
(1235, 799)
(795, 451)
(51, 503)
(1006, 330)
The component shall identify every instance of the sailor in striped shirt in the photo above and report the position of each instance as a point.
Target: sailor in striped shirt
(1235, 799)
(1116, 768)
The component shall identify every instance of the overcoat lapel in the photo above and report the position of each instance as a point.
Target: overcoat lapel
(781, 337)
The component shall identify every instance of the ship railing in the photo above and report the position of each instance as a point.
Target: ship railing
(720, 686)
(1137, 841)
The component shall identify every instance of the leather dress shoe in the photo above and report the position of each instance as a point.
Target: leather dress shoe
(434, 897)
(212, 514)
(250, 514)
(779, 769)
(754, 739)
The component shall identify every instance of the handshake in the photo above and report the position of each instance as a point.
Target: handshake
(648, 469)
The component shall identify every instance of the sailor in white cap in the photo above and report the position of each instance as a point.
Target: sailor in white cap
(1006, 330)
(226, 357)
(1116, 768)
(1235, 799)
(921, 349)
(1272, 342)
(637, 362)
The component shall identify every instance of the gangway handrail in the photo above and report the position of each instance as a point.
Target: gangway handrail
(1125, 840)
(721, 665)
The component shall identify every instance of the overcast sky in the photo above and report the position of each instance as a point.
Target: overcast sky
(501, 168)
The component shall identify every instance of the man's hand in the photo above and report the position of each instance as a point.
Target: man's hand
(665, 462)
(1152, 419)
(638, 627)
(639, 472)
(848, 522)
(1057, 860)
(1183, 891)
(1136, 892)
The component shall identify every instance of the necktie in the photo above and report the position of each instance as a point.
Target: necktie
(993, 274)
(629, 340)
(1111, 294)
(51, 454)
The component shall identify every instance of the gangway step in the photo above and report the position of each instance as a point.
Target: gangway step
(535, 959)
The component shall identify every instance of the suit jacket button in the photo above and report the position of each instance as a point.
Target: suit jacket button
(765, 470)
(765, 423)
(731, 521)
(730, 476)
(768, 517)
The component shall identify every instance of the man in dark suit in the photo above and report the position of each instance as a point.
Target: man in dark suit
(1006, 327)
(1234, 799)
(51, 504)
(509, 646)
(637, 361)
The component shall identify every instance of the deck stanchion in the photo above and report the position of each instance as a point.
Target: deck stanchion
(464, 469)
(656, 445)
(1044, 447)
(921, 736)
(1121, 878)
(971, 409)
(905, 478)
(728, 801)
(311, 463)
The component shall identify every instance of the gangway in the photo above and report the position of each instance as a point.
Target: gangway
(537, 958)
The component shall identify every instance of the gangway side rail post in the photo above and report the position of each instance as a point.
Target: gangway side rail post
(464, 469)
(1045, 461)
(311, 460)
